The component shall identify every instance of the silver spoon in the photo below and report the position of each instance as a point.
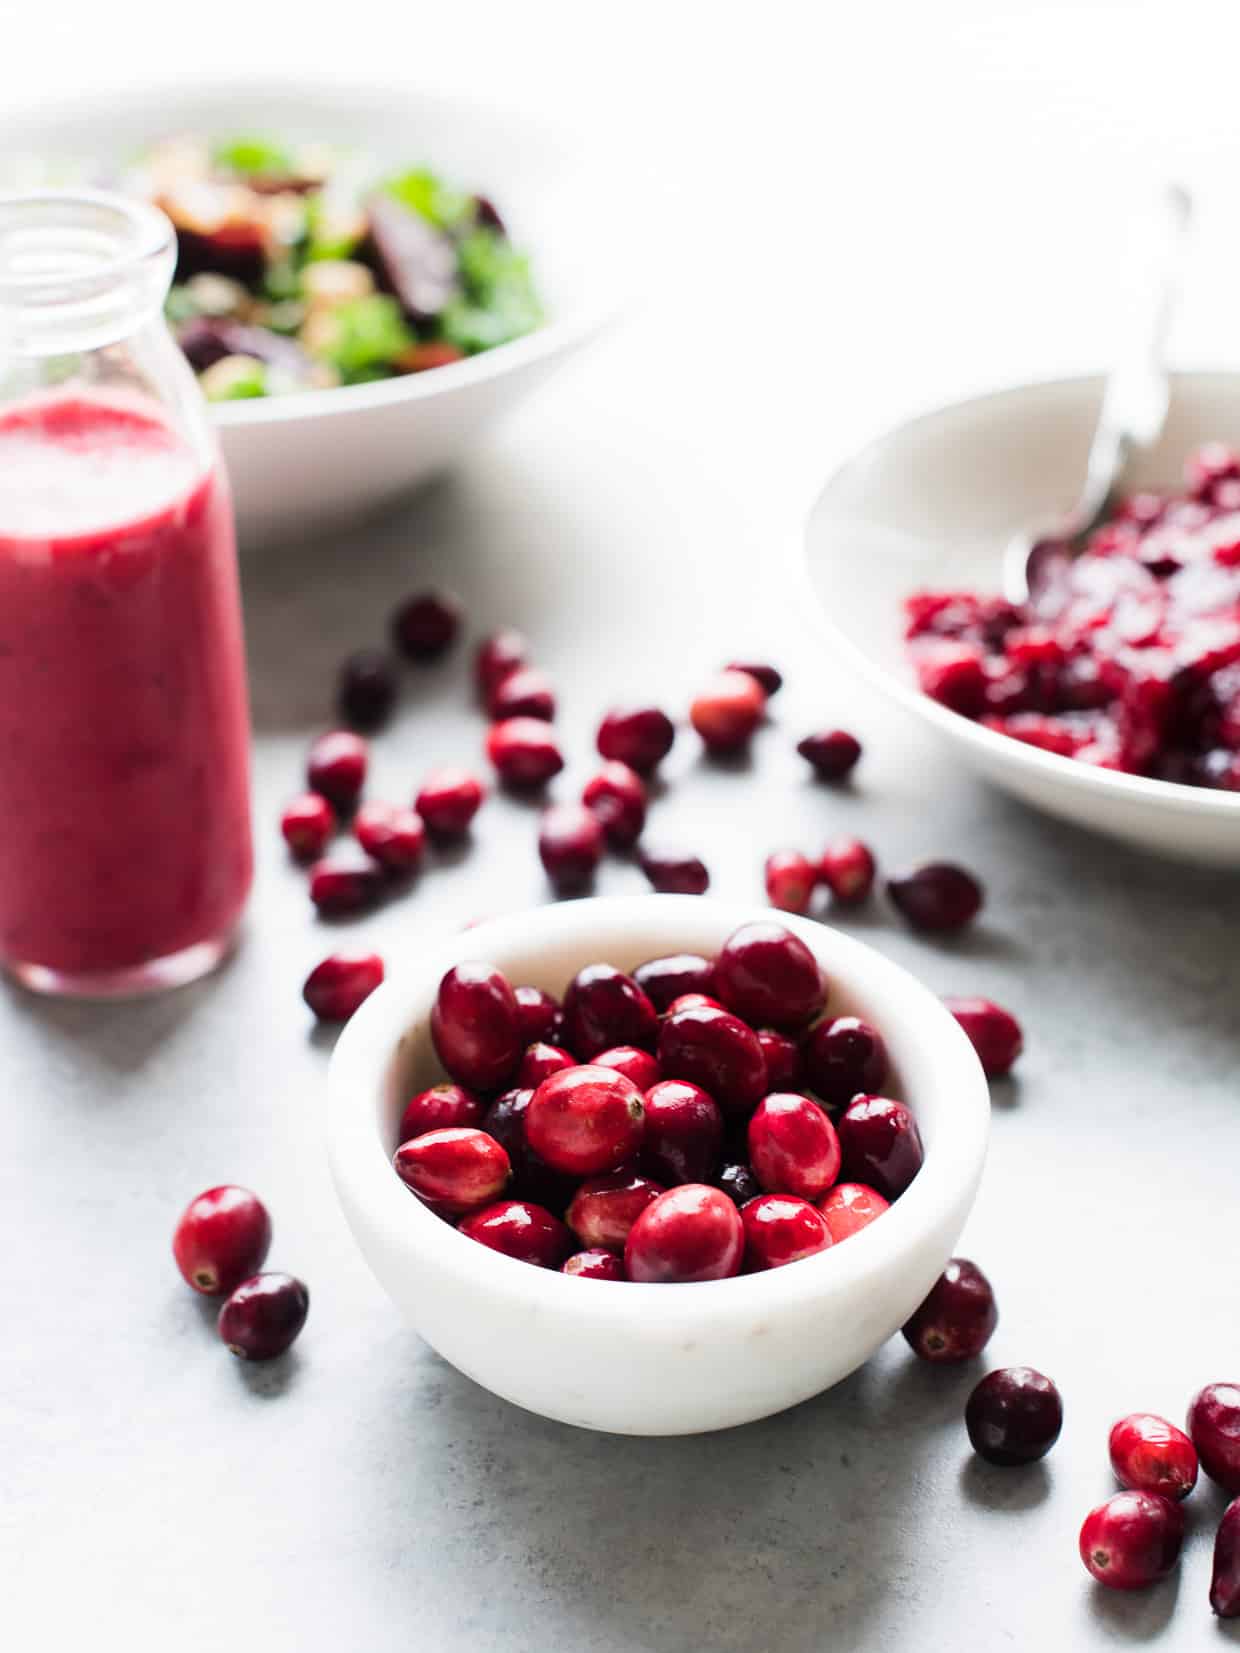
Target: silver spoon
(1134, 409)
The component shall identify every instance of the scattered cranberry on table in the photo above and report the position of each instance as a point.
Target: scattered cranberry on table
(767, 677)
(994, 1033)
(683, 1134)
(936, 896)
(448, 800)
(880, 1144)
(617, 796)
(640, 736)
(475, 1027)
(1132, 1539)
(341, 983)
(832, 754)
(728, 711)
(673, 871)
(957, 1318)
(849, 1207)
(604, 1008)
(440, 1108)
(366, 690)
(595, 1264)
(781, 1229)
(263, 1316)
(585, 1120)
(523, 692)
(392, 836)
(570, 847)
(500, 653)
(1225, 1575)
(521, 1230)
(793, 1147)
(221, 1238)
(336, 768)
(524, 752)
(1214, 1425)
(691, 1233)
(455, 1169)
(848, 870)
(604, 1209)
(790, 879)
(345, 882)
(307, 825)
(844, 1057)
(426, 625)
(1149, 1454)
(1014, 1416)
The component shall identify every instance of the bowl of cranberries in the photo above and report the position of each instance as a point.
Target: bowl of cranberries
(1112, 697)
(655, 1165)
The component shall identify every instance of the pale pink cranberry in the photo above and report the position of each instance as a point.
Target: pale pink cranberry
(728, 711)
(221, 1238)
(394, 837)
(524, 692)
(595, 1264)
(847, 868)
(769, 977)
(441, 1108)
(341, 983)
(673, 871)
(790, 878)
(793, 1148)
(957, 1318)
(500, 653)
(456, 1169)
(604, 1008)
(585, 1120)
(832, 754)
(336, 768)
(538, 1014)
(665, 979)
(604, 1209)
(849, 1207)
(691, 1233)
(525, 1232)
(474, 1026)
(683, 1134)
(1132, 1539)
(524, 752)
(993, 1032)
(640, 736)
(716, 1050)
(346, 882)
(540, 1061)
(1152, 1455)
(263, 1316)
(638, 1066)
(307, 824)
(617, 796)
(570, 847)
(426, 625)
(781, 1229)
(448, 801)
(783, 1060)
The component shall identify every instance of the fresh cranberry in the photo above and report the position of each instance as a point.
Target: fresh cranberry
(448, 801)
(844, 1057)
(638, 1066)
(767, 677)
(779, 1229)
(527, 1233)
(585, 1120)
(307, 824)
(442, 1108)
(1225, 1578)
(532, 1178)
(936, 896)
(954, 674)
(683, 1133)
(455, 1169)
(336, 768)
(605, 1208)
(783, 1060)
(693, 1001)
(832, 754)
(793, 1148)
(790, 880)
(690, 1233)
(1214, 1424)
(366, 690)
(346, 882)
(1212, 463)
(1014, 1416)
(1152, 1455)
(537, 1013)
(881, 1144)
(524, 752)
(617, 796)
(503, 652)
(570, 847)
(849, 1207)
(595, 1264)
(539, 1062)
(993, 1032)
(765, 974)
(1131, 1540)
(958, 1317)
(222, 1237)
(640, 736)
(263, 1316)
(474, 1026)
(426, 625)
(739, 1183)
(604, 1008)
(673, 872)
(716, 1050)
(394, 837)
(847, 868)
(728, 711)
(525, 692)
(340, 983)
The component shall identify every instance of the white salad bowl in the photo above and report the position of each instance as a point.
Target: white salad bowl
(314, 461)
(652, 1359)
(933, 503)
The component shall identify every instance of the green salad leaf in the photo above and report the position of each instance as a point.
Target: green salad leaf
(329, 234)
(427, 195)
(367, 335)
(252, 158)
(248, 380)
(499, 302)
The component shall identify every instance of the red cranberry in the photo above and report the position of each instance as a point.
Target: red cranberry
(683, 1134)
(595, 1264)
(537, 1013)
(617, 796)
(693, 1001)
(881, 1144)
(604, 1008)
(366, 690)
(936, 896)
(456, 1169)
(345, 882)
(528, 1233)
(957, 1320)
(524, 692)
(765, 974)
(690, 1233)
(336, 768)
(790, 880)
(832, 754)
(767, 678)
(1014, 1416)
(222, 1237)
(394, 837)
(532, 1178)
(844, 1057)
(728, 711)
(263, 1316)
(714, 1049)
(739, 1183)
(1152, 1455)
(426, 625)
(539, 1062)
(847, 868)
(665, 979)
(849, 1207)
(340, 983)
(783, 1060)
(954, 674)
(307, 824)
(474, 1026)
(779, 1229)
(793, 1148)
(638, 1066)
(605, 1208)
(993, 1032)
(524, 752)
(570, 846)
(503, 652)
(1225, 1579)
(442, 1108)
(674, 872)
(585, 1120)
(448, 801)
(641, 736)
(1214, 1424)
(1212, 463)
(1132, 1539)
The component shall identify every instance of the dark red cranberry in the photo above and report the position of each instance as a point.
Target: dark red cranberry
(790, 880)
(1214, 1424)
(336, 987)
(263, 1316)
(1014, 1416)
(456, 1169)
(665, 979)
(693, 1001)
(605, 1208)
(394, 837)
(844, 1057)
(638, 1066)
(954, 674)
(524, 752)
(993, 1032)
(716, 1050)
(783, 1060)
(525, 692)
(537, 1013)
(474, 1026)
(1131, 1540)
(366, 690)
(683, 1134)
(346, 881)
(779, 1229)
(936, 896)
(570, 847)
(768, 976)
(604, 1008)
(958, 1317)
(336, 768)
(881, 1144)
(539, 1062)
(448, 801)
(849, 1207)
(307, 824)
(1225, 1578)
(832, 754)
(640, 736)
(739, 1183)
(503, 652)
(673, 872)
(585, 1121)
(690, 1233)
(528, 1233)
(847, 868)
(222, 1238)
(442, 1108)
(426, 625)
(1152, 1455)
(595, 1264)
(767, 678)
(728, 711)
(793, 1148)
(532, 1178)
(617, 796)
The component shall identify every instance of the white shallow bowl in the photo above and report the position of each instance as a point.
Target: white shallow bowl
(652, 1359)
(932, 503)
(317, 460)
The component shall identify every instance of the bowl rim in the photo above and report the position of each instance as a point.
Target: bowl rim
(1171, 797)
(360, 1159)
